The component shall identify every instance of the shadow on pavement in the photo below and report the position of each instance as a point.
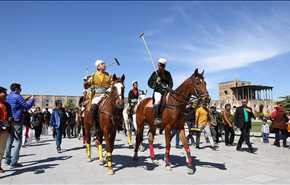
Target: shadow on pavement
(33, 167)
(72, 149)
(36, 169)
(178, 161)
(46, 140)
(123, 161)
(220, 166)
(47, 160)
(27, 155)
(36, 144)
(248, 150)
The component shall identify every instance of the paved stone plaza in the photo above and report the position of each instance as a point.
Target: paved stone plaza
(42, 165)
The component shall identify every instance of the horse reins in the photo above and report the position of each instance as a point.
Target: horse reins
(106, 99)
(172, 93)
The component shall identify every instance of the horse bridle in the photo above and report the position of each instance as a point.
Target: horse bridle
(196, 97)
(116, 96)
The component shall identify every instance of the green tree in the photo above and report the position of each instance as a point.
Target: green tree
(70, 104)
(285, 102)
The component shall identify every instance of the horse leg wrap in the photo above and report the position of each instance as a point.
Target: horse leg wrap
(167, 153)
(100, 152)
(89, 150)
(188, 155)
(151, 149)
(129, 138)
(109, 159)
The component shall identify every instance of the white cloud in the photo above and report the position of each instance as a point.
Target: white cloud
(250, 39)
(237, 58)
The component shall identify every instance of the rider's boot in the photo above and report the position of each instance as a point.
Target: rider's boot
(95, 116)
(157, 120)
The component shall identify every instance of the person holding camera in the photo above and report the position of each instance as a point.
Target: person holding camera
(18, 104)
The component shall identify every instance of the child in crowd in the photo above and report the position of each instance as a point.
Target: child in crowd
(265, 131)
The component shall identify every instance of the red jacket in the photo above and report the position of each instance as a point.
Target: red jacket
(4, 115)
(279, 118)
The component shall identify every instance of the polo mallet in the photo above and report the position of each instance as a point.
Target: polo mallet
(87, 71)
(148, 52)
(115, 62)
(87, 74)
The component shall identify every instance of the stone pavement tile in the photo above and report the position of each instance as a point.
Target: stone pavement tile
(279, 181)
(4, 179)
(260, 178)
(225, 166)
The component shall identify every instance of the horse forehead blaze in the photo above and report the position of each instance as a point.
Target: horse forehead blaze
(119, 86)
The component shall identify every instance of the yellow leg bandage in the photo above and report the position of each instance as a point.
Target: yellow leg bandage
(100, 152)
(129, 138)
(109, 159)
(88, 150)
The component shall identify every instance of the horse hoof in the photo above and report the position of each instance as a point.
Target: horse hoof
(101, 162)
(168, 167)
(142, 148)
(156, 162)
(89, 160)
(189, 171)
(110, 172)
(135, 157)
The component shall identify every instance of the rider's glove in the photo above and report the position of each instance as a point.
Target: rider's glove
(158, 80)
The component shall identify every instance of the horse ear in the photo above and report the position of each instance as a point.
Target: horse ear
(195, 72)
(202, 73)
(123, 78)
(114, 77)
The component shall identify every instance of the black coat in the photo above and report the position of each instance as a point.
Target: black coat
(189, 114)
(166, 80)
(37, 119)
(132, 96)
(81, 101)
(240, 118)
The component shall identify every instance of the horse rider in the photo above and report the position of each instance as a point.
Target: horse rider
(133, 98)
(160, 81)
(98, 83)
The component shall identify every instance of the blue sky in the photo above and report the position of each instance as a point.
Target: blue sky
(47, 46)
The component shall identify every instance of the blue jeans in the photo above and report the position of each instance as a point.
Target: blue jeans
(177, 139)
(265, 137)
(13, 145)
(58, 137)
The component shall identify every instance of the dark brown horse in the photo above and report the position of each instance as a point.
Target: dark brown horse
(174, 104)
(110, 119)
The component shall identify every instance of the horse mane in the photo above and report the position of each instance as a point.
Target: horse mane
(181, 87)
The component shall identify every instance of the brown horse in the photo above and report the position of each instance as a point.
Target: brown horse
(88, 124)
(110, 119)
(88, 118)
(174, 103)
